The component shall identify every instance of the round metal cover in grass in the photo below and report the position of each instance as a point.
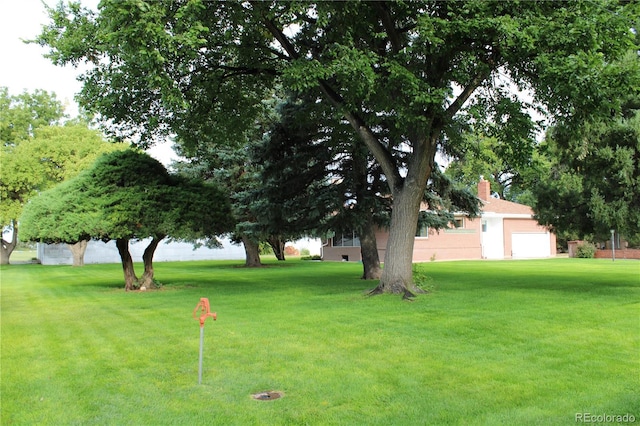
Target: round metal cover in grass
(267, 395)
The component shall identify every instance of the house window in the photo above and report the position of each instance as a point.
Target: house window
(458, 227)
(347, 239)
(484, 226)
(422, 231)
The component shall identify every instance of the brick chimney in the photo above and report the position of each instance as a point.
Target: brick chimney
(484, 189)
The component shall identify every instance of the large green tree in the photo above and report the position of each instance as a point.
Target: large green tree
(37, 152)
(127, 195)
(20, 115)
(404, 75)
(317, 179)
(592, 183)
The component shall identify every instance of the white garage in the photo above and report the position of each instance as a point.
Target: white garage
(527, 245)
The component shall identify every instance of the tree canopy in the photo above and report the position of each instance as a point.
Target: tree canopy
(38, 151)
(406, 76)
(593, 179)
(21, 114)
(127, 195)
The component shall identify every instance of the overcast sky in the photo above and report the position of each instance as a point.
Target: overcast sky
(24, 67)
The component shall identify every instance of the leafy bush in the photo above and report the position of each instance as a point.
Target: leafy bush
(586, 251)
(422, 280)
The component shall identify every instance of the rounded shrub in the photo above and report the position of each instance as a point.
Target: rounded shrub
(586, 251)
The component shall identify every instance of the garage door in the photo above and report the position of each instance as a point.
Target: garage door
(530, 245)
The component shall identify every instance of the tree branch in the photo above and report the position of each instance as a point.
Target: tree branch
(278, 54)
(233, 71)
(389, 26)
(491, 63)
(468, 90)
(282, 39)
(382, 154)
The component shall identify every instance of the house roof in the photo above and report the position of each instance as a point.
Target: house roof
(496, 205)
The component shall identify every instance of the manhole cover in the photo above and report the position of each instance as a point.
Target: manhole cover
(267, 395)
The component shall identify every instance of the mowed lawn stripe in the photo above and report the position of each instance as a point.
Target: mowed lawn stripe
(530, 342)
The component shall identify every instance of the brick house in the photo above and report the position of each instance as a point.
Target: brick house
(504, 230)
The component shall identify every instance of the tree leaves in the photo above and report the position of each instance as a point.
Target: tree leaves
(594, 185)
(127, 195)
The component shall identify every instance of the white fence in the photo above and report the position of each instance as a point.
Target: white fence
(100, 252)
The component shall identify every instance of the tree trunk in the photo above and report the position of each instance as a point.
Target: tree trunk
(366, 231)
(130, 279)
(252, 252)
(77, 250)
(397, 275)
(8, 246)
(277, 244)
(146, 280)
(369, 251)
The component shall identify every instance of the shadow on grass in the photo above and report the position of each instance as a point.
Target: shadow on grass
(232, 278)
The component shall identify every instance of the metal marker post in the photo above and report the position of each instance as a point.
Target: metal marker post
(205, 312)
(613, 245)
(200, 357)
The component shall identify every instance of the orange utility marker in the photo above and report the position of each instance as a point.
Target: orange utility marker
(205, 312)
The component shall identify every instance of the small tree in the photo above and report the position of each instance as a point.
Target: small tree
(129, 195)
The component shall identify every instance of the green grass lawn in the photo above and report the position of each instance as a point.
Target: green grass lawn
(22, 256)
(510, 342)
